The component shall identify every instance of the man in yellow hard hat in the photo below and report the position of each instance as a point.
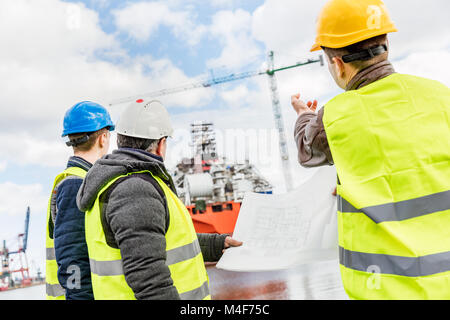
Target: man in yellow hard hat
(389, 137)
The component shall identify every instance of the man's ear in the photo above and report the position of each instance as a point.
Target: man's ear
(103, 139)
(161, 146)
(339, 66)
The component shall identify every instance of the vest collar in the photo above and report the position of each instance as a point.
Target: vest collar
(79, 162)
(371, 74)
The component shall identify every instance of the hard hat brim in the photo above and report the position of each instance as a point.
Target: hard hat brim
(315, 47)
(333, 43)
(110, 127)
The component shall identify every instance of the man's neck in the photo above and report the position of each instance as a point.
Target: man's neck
(150, 153)
(370, 74)
(90, 157)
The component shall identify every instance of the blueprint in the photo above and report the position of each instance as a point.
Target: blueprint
(283, 231)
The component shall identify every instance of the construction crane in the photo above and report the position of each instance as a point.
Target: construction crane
(21, 253)
(276, 107)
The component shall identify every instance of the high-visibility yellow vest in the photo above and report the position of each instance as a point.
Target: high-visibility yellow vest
(184, 257)
(390, 142)
(54, 291)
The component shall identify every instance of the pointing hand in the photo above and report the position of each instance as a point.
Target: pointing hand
(300, 106)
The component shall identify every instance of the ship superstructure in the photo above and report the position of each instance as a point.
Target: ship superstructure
(212, 188)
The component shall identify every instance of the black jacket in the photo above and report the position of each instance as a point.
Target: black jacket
(74, 273)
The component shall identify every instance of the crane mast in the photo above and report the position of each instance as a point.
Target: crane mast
(279, 124)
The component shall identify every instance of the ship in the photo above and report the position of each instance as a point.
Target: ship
(211, 187)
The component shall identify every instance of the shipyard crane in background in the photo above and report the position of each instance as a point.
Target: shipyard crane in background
(6, 258)
(276, 107)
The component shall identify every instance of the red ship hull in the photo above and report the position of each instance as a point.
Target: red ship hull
(217, 218)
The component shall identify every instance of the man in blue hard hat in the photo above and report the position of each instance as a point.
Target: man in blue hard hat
(68, 275)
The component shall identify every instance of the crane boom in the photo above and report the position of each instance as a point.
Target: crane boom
(195, 85)
(213, 81)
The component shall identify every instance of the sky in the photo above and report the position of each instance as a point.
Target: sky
(56, 53)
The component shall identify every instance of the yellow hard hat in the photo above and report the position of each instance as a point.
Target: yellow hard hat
(344, 22)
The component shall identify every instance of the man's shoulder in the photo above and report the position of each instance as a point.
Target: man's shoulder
(66, 193)
(422, 82)
(70, 184)
(134, 196)
(136, 185)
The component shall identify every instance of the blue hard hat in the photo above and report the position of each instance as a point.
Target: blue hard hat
(86, 116)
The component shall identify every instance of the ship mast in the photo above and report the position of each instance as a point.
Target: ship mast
(204, 146)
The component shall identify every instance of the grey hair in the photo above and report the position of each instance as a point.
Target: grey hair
(136, 143)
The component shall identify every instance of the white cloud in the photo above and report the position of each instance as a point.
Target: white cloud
(233, 31)
(237, 97)
(421, 28)
(165, 75)
(99, 3)
(288, 28)
(142, 19)
(3, 165)
(24, 149)
(222, 3)
(430, 64)
(50, 62)
(16, 198)
(54, 55)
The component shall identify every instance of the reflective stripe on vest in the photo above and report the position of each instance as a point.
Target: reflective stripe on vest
(390, 143)
(199, 293)
(106, 268)
(50, 254)
(183, 253)
(184, 258)
(398, 211)
(115, 267)
(54, 290)
(396, 265)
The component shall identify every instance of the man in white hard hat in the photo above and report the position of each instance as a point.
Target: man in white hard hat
(141, 239)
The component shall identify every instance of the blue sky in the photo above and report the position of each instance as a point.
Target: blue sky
(164, 44)
(56, 53)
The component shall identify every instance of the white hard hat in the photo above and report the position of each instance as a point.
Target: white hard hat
(145, 119)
